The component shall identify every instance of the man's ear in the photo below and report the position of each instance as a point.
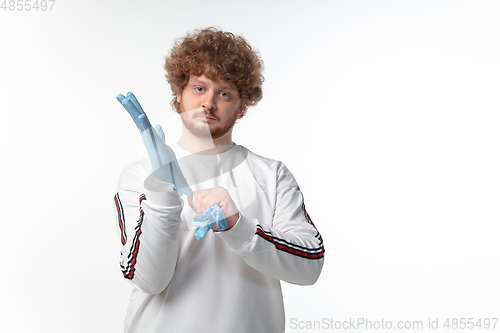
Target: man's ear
(178, 97)
(241, 109)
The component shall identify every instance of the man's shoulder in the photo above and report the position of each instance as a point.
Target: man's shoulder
(133, 175)
(139, 166)
(264, 161)
(284, 177)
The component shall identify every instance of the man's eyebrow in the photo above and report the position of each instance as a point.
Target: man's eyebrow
(224, 86)
(197, 80)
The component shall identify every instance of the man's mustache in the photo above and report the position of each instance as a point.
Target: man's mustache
(200, 112)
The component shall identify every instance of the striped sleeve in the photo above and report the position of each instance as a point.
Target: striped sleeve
(120, 218)
(148, 222)
(128, 265)
(286, 245)
(291, 248)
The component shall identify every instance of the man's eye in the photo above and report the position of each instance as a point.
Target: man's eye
(224, 94)
(199, 89)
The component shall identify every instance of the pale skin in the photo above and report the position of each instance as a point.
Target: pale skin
(208, 111)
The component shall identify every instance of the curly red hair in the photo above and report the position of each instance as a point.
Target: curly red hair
(220, 56)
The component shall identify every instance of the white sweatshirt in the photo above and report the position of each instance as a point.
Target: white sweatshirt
(228, 281)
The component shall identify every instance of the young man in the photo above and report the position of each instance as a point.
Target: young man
(228, 280)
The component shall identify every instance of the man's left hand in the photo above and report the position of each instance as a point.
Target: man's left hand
(204, 199)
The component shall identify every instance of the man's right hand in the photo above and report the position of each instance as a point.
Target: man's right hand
(162, 157)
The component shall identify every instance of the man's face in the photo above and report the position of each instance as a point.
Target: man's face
(209, 109)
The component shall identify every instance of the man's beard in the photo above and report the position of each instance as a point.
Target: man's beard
(205, 131)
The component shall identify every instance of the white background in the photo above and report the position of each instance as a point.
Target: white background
(386, 112)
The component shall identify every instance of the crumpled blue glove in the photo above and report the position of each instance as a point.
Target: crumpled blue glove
(204, 222)
(162, 157)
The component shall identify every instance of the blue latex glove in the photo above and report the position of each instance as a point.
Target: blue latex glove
(204, 222)
(162, 157)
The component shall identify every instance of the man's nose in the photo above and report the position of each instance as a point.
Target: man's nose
(209, 102)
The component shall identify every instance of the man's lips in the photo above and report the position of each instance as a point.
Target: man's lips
(201, 114)
(206, 118)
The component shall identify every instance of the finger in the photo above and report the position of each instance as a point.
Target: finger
(134, 101)
(142, 122)
(194, 202)
(129, 106)
(120, 98)
(199, 202)
(160, 132)
(190, 202)
(140, 119)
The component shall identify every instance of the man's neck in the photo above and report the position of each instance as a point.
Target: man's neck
(205, 146)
